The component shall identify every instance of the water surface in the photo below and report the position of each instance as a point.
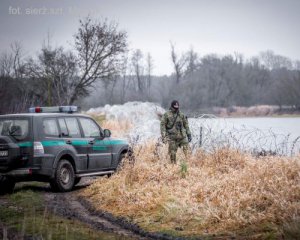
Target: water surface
(280, 135)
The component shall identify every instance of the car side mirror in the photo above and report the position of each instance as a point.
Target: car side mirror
(107, 133)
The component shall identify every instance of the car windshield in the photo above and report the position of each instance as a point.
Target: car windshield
(16, 128)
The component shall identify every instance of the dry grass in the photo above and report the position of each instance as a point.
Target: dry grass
(118, 128)
(227, 193)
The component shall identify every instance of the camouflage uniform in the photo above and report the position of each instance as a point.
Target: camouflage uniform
(176, 135)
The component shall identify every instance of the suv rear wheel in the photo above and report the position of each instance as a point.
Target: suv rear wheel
(7, 185)
(64, 178)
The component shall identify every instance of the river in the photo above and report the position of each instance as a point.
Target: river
(278, 135)
(274, 134)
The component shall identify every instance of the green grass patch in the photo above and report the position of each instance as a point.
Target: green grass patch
(25, 212)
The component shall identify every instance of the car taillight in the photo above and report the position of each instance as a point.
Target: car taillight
(38, 149)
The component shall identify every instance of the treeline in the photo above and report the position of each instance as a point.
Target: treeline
(57, 76)
(205, 82)
(99, 69)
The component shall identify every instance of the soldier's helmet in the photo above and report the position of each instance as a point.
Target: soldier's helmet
(175, 104)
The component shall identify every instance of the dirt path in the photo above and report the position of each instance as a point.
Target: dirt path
(71, 206)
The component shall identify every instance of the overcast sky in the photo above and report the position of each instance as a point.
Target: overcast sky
(209, 26)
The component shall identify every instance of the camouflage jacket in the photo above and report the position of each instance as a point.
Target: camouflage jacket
(179, 130)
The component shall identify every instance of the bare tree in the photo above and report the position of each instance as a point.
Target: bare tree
(18, 65)
(192, 61)
(179, 63)
(271, 60)
(56, 70)
(99, 46)
(149, 69)
(14, 93)
(297, 65)
(6, 64)
(12, 61)
(123, 76)
(137, 64)
(286, 87)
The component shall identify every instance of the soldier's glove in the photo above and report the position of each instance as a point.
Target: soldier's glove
(189, 136)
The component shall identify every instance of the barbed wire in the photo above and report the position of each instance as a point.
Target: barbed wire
(211, 134)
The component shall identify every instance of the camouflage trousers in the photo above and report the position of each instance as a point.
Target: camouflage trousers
(174, 145)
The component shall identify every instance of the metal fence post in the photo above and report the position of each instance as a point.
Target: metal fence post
(200, 140)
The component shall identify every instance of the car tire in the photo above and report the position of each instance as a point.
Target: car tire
(7, 185)
(64, 178)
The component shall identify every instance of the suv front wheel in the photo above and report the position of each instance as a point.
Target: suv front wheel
(64, 178)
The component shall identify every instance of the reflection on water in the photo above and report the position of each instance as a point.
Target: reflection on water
(274, 135)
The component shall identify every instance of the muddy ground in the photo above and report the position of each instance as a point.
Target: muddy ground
(71, 206)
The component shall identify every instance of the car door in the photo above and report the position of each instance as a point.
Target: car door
(71, 135)
(99, 151)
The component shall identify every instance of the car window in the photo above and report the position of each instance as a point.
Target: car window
(50, 127)
(63, 127)
(18, 128)
(89, 127)
(73, 127)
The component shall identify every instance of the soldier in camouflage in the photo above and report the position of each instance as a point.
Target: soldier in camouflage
(175, 131)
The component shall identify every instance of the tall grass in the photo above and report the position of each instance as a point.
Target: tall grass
(119, 128)
(225, 192)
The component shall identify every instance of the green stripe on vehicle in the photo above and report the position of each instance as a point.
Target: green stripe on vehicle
(25, 144)
(99, 148)
(112, 142)
(53, 143)
(79, 142)
(63, 142)
(99, 144)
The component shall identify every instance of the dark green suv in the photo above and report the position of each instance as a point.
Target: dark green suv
(55, 145)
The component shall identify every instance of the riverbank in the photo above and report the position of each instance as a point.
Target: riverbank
(252, 111)
(218, 195)
(256, 111)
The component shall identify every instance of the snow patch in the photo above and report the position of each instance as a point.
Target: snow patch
(144, 116)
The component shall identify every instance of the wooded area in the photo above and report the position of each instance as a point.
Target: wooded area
(100, 69)
(205, 82)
